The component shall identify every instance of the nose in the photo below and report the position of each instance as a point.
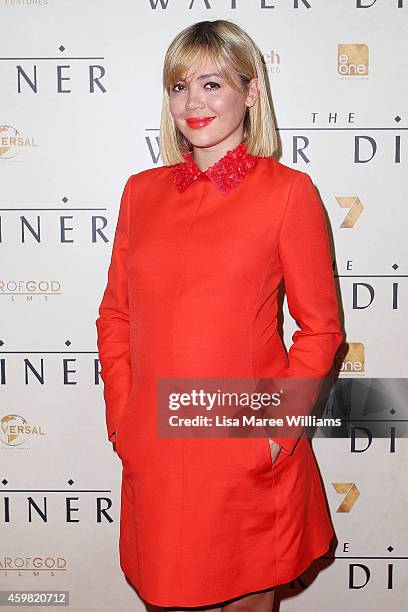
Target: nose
(194, 100)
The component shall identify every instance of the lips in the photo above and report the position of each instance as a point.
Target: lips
(199, 122)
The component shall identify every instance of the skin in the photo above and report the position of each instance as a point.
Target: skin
(256, 602)
(211, 97)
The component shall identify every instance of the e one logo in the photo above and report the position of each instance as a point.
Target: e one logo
(352, 60)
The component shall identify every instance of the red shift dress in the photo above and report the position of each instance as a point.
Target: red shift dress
(192, 288)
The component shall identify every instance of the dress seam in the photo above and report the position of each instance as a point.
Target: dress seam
(285, 212)
(261, 285)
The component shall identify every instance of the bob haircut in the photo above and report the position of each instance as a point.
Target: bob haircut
(230, 48)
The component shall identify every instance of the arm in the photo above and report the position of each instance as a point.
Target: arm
(113, 334)
(310, 290)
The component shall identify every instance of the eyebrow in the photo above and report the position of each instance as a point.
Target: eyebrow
(206, 76)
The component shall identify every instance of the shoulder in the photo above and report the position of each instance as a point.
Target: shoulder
(283, 174)
(293, 190)
(149, 176)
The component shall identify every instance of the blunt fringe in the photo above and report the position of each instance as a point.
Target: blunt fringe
(230, 48)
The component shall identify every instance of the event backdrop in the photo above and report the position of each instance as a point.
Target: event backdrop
(80, 87)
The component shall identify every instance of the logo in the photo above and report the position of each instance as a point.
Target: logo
(272, 61)
(356, 208)
(352, 60)
(35, 563)
(351, 492)
(15, 430)
(29, 288)
(12, 142)
(350, 358)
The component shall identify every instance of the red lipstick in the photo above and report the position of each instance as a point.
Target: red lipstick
(199, 122)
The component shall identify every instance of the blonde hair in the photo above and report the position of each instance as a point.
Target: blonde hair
(229, 47)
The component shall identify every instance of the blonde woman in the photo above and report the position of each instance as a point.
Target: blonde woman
(201, 247)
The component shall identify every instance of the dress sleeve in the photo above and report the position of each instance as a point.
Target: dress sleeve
(113, 330)
(304, 252)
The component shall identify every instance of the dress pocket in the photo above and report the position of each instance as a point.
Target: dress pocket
(121, 424)
(278, 459)
(266, 452)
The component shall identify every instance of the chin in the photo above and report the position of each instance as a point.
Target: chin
(205, 141)
(204, 145)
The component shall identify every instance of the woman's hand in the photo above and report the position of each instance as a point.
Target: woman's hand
(275, 449)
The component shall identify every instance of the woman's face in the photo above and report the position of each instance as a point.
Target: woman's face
(206, 110)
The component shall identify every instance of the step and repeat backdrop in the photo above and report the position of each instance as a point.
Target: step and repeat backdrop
(80, 89)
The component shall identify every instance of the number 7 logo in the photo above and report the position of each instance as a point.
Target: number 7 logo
(356, 208)
(352, 494)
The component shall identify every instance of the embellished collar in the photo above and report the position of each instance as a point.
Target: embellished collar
(226, 173)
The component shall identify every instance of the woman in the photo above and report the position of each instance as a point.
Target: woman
(200, 249)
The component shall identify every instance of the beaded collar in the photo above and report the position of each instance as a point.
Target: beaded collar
(226, 173)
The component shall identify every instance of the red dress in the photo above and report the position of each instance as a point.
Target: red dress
(192, 289)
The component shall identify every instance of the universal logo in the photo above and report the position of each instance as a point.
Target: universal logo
(352, 60)
(350, 358)
(12, 142)
(30, 288)
(15, 430)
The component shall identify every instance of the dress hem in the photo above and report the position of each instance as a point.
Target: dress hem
(232, 595)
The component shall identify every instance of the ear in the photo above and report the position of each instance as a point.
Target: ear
(252, 92)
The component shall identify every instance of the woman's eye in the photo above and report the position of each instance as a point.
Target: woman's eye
(217, 85)
(174, 88)
(179, 86)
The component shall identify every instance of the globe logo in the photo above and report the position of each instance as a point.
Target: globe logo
(10, 139)
(14, 429)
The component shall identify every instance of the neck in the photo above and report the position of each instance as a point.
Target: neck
(205, 157)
